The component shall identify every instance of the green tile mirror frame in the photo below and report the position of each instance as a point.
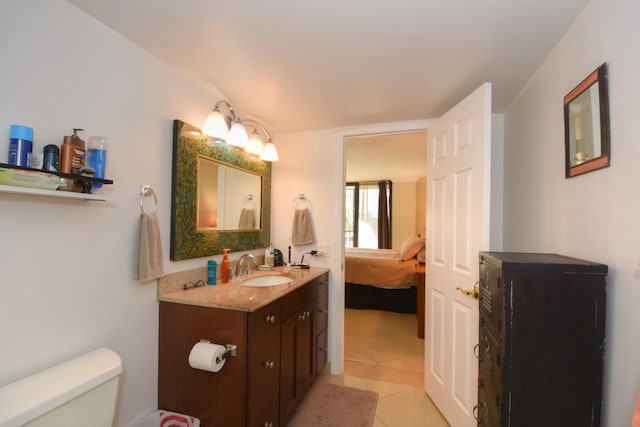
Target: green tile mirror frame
(190, 238)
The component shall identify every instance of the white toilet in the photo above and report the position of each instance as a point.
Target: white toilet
(79, 393)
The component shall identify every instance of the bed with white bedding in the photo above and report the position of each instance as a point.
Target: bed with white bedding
(383, 279)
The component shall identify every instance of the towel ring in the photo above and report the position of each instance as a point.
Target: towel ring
(301, 198)
(146, 190)
(249, 202)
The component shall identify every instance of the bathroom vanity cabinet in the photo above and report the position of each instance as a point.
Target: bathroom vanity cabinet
(541, 349)
(301, 348)
(281, 349)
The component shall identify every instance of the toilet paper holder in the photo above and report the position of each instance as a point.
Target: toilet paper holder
(232, 350)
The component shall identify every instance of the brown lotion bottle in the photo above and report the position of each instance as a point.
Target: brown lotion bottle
(224, 268)
(72, 153)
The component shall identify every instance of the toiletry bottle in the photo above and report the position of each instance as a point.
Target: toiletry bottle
(225, 267)
(72, 153)
(20, 145)
(97, 157)
(51, 158)
(211, 272)
(268, 256)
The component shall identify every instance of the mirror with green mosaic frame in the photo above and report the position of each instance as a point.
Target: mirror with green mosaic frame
(188, 238)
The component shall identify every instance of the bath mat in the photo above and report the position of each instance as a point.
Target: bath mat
(331, 405)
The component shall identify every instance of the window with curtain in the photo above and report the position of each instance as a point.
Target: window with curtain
(368, 215)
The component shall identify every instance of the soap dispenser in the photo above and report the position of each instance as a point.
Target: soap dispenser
(225, 267)
(72, 153)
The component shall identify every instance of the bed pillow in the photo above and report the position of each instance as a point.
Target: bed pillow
(411, 247)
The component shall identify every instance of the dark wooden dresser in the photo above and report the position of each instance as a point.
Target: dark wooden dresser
(541, 349)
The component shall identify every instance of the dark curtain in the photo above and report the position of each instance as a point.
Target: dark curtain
(384, 215)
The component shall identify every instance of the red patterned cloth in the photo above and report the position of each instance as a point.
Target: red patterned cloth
(171, 419)
(167, 419)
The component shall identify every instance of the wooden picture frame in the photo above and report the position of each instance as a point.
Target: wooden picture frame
(586, 125)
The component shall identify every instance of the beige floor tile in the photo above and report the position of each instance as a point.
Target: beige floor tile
(383, 353)
(408, 409)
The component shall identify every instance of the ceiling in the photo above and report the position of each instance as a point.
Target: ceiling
(297, 65)
(398, 157)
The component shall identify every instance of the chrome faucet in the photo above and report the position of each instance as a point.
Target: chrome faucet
(247, 270)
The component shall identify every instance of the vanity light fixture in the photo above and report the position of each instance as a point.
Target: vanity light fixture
(237, 135)
(231, 129)
(256, 146)
(217, 125)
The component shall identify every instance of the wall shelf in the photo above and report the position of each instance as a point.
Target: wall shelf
(34, 191)
(52, 193)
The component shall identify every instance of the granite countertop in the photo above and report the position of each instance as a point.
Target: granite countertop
(234, 296)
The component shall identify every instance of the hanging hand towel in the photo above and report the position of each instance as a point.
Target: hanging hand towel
(247, 218)
(635, 421)
(150, 248)
(302, 230)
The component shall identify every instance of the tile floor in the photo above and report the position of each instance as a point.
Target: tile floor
(383, 353)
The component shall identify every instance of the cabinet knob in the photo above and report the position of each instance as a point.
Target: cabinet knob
(322, 349)
(323, 283)
(269, 364)
(270, 319)
(325, 311)
(268, 424)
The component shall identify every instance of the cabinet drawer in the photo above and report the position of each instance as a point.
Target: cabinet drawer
(263, 370)
(486, 413)
(292, 302)
(490, 361)
(322, 313)
(323, 284)
(264, 322)
(322, 352)
(491, 299)
(266, 413)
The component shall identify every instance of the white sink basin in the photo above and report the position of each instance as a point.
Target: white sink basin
(267, 280)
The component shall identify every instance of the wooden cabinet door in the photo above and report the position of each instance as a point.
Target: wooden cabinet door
(297, 360)
(306, 349)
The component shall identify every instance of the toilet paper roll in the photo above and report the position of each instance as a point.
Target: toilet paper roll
(204, 356)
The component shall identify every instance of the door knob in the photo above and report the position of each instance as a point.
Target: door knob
(473, 292)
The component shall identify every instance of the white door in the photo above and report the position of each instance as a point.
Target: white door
(458, 183)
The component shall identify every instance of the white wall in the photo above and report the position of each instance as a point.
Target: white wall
(592, 216)
(403, 212)
(67, 285)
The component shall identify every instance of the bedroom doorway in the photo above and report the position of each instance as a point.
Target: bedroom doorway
(381, 336)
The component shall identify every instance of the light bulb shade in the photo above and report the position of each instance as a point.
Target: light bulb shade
(238, 135)
(216, 126)
(255, 145)
(270, 154)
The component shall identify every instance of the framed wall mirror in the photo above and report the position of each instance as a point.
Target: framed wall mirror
(586, 125)
(221, 197)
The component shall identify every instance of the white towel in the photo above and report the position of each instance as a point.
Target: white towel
(302, 229)
(149, 249)
(247, 218)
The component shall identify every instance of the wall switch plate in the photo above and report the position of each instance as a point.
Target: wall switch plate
(323, 250)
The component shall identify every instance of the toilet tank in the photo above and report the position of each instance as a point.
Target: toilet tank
(80, 392)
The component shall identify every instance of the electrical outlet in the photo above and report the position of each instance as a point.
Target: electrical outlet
(323, 250)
